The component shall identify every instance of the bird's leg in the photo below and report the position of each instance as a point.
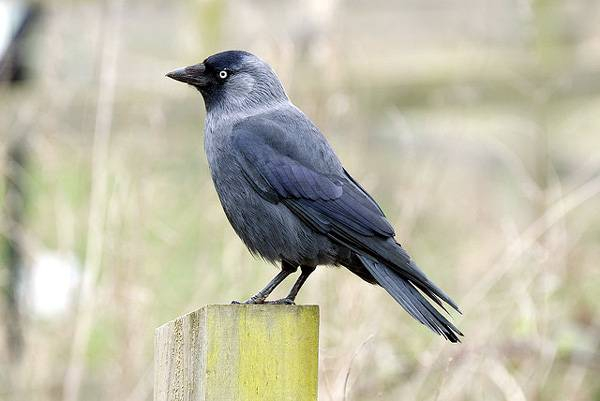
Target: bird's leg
(289, 300)
(259, 298)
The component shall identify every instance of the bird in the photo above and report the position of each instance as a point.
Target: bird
(289, 198)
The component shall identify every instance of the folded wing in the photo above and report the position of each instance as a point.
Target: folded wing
(333, 204)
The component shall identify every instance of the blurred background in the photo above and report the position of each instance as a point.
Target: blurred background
(474, 123)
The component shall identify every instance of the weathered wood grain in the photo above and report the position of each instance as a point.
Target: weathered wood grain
(238, 353)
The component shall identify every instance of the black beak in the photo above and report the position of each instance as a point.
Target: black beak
(193, 75)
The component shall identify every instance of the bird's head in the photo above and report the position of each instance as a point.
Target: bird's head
(232, 80)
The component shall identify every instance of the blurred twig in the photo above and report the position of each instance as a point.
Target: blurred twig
(519, 245)
(358, 350)
(14, 208)
(515, 250)
(98, 200)
(505, 381)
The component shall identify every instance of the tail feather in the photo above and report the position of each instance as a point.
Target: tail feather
(434, 292)
(402, 263)
(406, 294)
(395, 257)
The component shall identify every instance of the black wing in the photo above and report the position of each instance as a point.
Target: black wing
(329, 201)
(332, 203)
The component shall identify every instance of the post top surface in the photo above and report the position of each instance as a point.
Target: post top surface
(237, 308)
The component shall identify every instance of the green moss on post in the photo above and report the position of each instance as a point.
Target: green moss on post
(239, 353)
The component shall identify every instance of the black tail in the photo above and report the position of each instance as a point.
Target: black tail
(405, 292)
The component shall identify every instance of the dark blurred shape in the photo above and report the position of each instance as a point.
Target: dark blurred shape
(16, 21)
(13, 249)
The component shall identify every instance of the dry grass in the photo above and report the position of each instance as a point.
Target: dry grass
(474, 123)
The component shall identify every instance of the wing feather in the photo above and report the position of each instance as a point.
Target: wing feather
(330, 197)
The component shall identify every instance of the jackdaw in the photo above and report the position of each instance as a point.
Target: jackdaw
(287, 195)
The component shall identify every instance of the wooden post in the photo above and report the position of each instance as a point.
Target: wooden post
(238, 353)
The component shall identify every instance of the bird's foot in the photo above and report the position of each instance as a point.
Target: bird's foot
(282, 301)
(252, 301)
